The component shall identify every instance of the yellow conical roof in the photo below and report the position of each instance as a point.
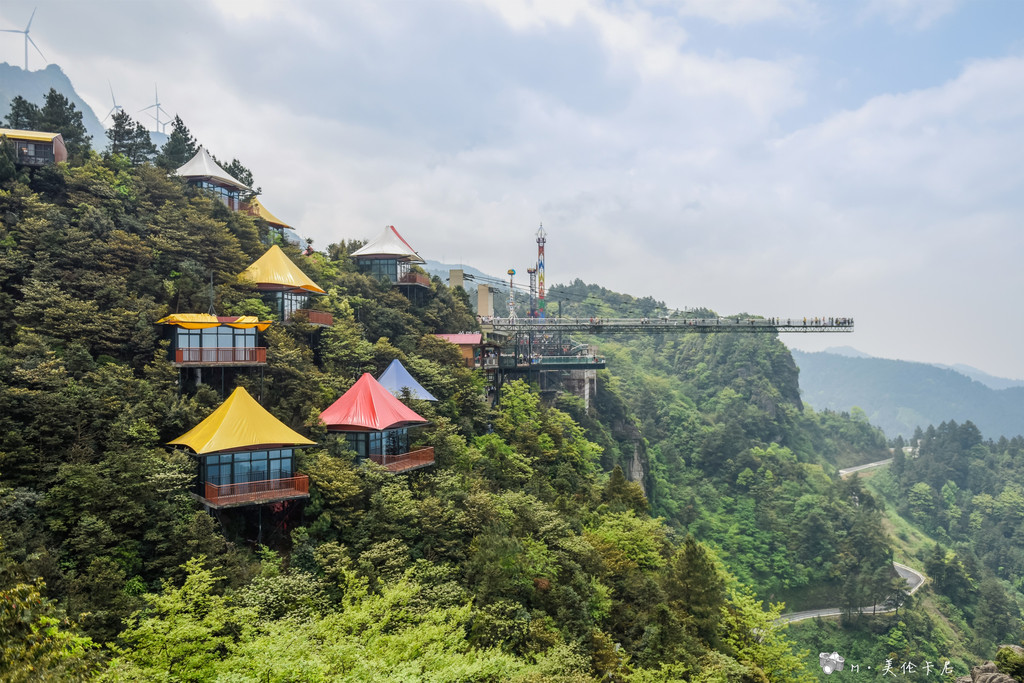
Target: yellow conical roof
(274, 268)
(261, 212)
(240, 423)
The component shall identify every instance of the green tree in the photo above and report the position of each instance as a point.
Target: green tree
(997, 616)
(130, 139)
(179, 148)
(23, 114)
(185, 630)
(8, 160)
(757, 636)
(59, 115)
(696, 589)
(37, 643)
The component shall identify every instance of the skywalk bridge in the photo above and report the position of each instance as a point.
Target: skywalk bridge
(519, 326)
(542, 349)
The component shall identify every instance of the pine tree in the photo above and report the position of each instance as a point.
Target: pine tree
(60, 115)
(23, 115)
(695, 587)
(130, 139)
(179, 148)
(8, 160)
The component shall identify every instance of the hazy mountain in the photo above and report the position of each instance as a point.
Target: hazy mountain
(441, 270)
(900, 395)
(988, 380)
(33, 86)
(847, 351)
(991, 381)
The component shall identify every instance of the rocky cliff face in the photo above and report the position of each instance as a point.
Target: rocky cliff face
(989, 671)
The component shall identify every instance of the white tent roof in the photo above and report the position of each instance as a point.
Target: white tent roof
(202, 165)
(391, 244)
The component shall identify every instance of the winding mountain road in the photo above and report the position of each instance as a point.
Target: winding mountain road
(858, 468)
(915, 580)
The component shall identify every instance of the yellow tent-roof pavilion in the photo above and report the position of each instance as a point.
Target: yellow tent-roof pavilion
(201, 321)
(274, 268)
(260, 211)
(240, 423)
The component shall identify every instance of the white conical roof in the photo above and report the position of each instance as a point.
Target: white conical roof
(202, 165)
(390, 244)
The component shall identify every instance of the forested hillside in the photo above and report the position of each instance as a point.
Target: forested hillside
(968, 495)
(524, 554)
(733, 457)
(900, 396)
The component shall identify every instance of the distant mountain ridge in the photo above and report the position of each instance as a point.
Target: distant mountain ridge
(33, 86)
(991, 381)
(441, 270)
(899, 396)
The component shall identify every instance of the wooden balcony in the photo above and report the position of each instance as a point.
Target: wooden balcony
(257, 492)
(406, 462)
(414, 279)
(252, 355)
(308, 315)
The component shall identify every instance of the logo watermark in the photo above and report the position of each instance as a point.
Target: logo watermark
(832, 662)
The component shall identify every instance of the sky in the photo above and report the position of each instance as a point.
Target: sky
(791, 158)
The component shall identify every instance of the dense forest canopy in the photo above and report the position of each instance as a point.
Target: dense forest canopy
(525, 553)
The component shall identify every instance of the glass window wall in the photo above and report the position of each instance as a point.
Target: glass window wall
(381, 268)
(248, 466)
(388, 442)
(222, 337)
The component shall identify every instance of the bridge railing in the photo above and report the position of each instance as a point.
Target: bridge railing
(603, 325)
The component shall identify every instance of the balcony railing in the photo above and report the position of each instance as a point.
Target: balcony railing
(37, 159)
(314, 317)
(414, 279)
(406, 462)
(254, 492)
(218, 355)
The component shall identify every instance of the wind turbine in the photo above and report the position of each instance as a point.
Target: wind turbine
(28, 38)
(157, 109)
(116, 107)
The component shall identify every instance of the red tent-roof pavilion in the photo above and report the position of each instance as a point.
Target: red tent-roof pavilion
(368, 406)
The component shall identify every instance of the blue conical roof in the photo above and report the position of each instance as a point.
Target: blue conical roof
(396, 378)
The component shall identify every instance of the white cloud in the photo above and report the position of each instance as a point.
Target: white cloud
(739, 12)
(919, 13)
(657, 167)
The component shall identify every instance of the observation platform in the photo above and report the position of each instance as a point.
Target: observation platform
(541, 362)
(255, 492)
(666, 325)
(214, 356)
(406, 462)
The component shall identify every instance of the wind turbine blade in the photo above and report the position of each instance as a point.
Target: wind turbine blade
(112, 98)
(30, 20)
(10, 30)
(29, 39)
(145, 108)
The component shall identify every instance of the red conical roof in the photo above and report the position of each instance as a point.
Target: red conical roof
(368, 406)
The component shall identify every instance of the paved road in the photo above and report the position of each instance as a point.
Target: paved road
(915, 580)
(858, 468)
